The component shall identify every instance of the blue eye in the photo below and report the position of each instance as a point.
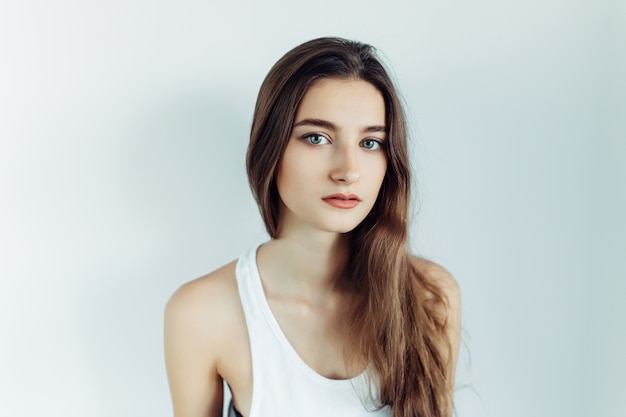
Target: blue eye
(371, 144)
(316, 139)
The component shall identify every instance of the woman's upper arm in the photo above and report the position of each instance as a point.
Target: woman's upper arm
(192, 346)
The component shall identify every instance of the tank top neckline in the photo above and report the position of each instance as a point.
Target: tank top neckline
(288, 348)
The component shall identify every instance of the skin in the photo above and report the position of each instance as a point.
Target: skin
(336, 146)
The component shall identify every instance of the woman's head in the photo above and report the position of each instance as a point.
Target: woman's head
(276, 107)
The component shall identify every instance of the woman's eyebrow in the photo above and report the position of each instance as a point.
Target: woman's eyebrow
(316, 122)
(377, 128)
(331, 126)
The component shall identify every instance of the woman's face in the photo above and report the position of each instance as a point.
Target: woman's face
(335, 160)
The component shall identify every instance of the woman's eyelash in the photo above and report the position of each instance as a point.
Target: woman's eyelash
(315, 138)
(372, 144)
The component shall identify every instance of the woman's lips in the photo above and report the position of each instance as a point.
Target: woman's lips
(342, 201)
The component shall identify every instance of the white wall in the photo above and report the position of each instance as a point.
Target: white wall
(123, 127)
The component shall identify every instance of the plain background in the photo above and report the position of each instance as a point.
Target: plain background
(123, 128)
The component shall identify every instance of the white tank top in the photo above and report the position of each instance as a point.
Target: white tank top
(283, 385)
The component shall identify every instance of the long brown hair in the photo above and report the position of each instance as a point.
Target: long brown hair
(394, 323)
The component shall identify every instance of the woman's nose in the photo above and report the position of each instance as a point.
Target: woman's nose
(345, 166)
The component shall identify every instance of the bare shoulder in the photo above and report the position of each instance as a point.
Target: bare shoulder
(206, 309)
(439, 277)
(202, 311)
(205, 295)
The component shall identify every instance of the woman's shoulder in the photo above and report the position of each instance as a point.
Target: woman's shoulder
(438, 276)
(442, 293)
(213, 291)
(210, 302)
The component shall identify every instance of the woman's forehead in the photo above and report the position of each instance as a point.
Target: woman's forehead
(342, 102)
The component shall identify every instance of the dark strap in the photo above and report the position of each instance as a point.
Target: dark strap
(237, 413)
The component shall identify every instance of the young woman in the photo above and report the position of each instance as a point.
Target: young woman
(332, 316)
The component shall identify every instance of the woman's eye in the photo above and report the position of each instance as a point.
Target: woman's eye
(370, 144)
(316, 139)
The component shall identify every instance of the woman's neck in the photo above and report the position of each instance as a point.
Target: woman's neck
(304, 266)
